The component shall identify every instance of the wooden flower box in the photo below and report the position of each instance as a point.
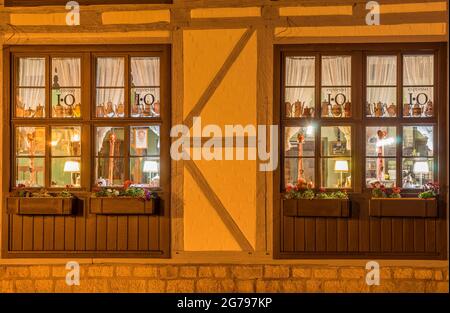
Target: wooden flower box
(316, 207)
(403, 207)
(123, 206)
(41, 206)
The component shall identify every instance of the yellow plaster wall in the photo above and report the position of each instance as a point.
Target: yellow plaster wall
(136, 17)
(233, 102)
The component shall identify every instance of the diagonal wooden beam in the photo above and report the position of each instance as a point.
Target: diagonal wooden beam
(214, 200)
(209, 91)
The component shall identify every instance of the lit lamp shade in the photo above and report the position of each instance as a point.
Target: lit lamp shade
(72, 166)
(421, 167)
(341, 166)
(150, 166)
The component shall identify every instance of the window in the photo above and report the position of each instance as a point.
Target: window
(69, 134)
(317, 119)
(394, 115)
(399, 152)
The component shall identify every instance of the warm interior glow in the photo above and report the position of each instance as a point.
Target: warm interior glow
(341, 166)
(421, 167)
(72, 166)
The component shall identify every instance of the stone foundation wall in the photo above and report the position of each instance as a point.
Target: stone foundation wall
(219, 278)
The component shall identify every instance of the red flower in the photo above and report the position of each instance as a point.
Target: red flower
(396, 190)
(127, 184)
(321, 189)
(288, 188)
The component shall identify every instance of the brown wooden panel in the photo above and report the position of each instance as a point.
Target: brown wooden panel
(397, 234)
(27, 229)
(154, 231)
(364, 227)
(122, 233)
(49, 233)
(419, 235)
(69, 233)
(288, 233)
(375, 234)
(101, 232)
(16, 238)
(342, 235)
(91, 229)
(40, 206)
(403, 207)
(310, 234)
(321, 234)
(299, 234)
(332, 234)
(38, 233)
(143, 233)
(430, 235)
(408, 235)
(133, 226)
(80, 233)
(59, 236)
(111, 233)
(386, 234)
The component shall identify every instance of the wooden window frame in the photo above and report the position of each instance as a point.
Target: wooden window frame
(317, 120)
(360, 235)
(88, 120)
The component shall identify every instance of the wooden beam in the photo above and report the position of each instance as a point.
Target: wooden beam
(209, 91)
(215, 202)
(177, 193)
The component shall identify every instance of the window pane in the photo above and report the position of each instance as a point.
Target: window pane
(109, 141)
(299, 141)
(145, 71)
(66, 76)
(418, 141)
(30, 141)
(416, 172)
(32, 72)
(418, 101)
(381, 141)
(145, 171)
(30, 102)
(109, 171)
(381, 102)
(110, 102)
(336, 70)
(295, 168)
(299, 102)
(418, 75)
(66, 102)
(145, 102)
(336, 140)
(381, 70)
(300, 71)
(66, 172)
(336, 102)
(30, 172)
(383, 170)
(110, 72)
(418, 70)
(336, 172)
(144, 140)
(66, 141)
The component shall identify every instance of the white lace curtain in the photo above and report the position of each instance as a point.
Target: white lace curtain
(68, 71)
(336, 70)
(31, 74)
(418, 70)
(300, 71)
(110, 73)
(382, 71)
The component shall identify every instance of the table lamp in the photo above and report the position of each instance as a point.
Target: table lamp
(341, 166)
(421, 167)
(72, 167)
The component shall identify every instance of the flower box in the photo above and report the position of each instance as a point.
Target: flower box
(123, 206)
(316, 207)
(403, 207)
(40, 205)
